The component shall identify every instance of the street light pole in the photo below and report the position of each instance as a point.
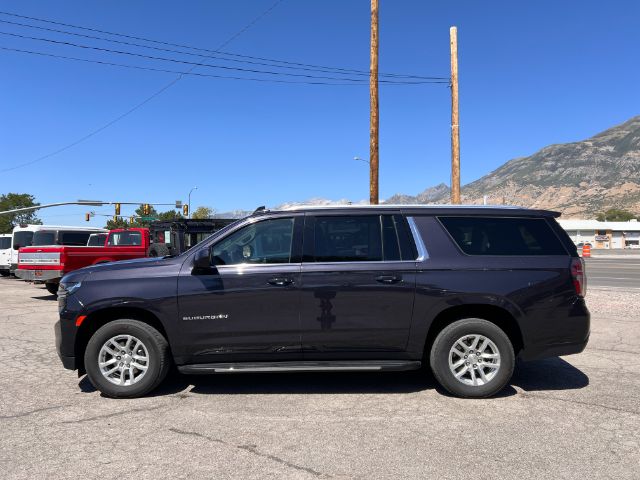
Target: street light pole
(194, 188)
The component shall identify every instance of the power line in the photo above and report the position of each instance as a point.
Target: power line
(146, 100)
(195, 64)
(270, 63)
(227, 77)
(210, 51)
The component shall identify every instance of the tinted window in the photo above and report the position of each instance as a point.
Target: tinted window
(121, 239)
(44, 238)
(348, 239)
(22, 239)
(268, 241)
(73, 238)
(5, 242)
(97, 240)
(503, 236)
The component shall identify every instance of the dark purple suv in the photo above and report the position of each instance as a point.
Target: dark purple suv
(462, 289)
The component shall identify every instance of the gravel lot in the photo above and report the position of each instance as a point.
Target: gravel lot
(575, 417)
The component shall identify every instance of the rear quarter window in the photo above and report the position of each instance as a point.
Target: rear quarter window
(503, 236)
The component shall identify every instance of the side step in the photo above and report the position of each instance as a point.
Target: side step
(302, 366)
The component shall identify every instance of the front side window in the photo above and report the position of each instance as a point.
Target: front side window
(265, 242)
(503, 236)
(128, 239)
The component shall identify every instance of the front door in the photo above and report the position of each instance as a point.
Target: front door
(358, 286)
(247, 306)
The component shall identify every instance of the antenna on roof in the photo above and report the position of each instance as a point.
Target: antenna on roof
(261, 208)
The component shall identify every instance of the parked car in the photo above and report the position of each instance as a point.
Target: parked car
(465, 290)
(5, 254)
(49, 264)
(582, 244)
(41, 235)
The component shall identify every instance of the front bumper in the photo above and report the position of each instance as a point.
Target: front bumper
(68, 361)
(38, 275)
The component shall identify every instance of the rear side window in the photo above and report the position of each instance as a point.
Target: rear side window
(42, 238)
(503, 236)
(5, 242)
(361, 238)
(122, 239)
(78, 239)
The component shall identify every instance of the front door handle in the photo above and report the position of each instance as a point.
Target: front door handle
(280, 281)
(389, 279)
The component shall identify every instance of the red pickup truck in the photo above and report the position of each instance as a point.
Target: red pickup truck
(49, 264)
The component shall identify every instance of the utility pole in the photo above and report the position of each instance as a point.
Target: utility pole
(374, 118)
(455, 119)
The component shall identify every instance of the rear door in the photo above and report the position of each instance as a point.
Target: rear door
(358, 285)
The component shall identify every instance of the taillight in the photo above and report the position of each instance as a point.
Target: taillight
(579, 276)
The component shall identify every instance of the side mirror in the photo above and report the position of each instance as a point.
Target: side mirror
(202, 261)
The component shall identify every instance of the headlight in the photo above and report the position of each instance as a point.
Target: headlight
(69, 288)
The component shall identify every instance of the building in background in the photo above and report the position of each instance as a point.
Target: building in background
(603, 234)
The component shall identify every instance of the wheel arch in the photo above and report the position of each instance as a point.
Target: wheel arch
(99, 318)
(499, 316)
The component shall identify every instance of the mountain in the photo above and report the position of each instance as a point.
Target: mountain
(579, 179)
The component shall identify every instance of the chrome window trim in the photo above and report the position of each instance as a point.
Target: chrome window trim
(422, 251)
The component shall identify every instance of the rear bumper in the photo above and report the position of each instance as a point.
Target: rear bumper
(553, 350)
(38, 275)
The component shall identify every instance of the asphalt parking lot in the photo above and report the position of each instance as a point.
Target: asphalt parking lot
(573, 417)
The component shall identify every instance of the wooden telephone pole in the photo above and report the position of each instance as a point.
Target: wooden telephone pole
(374, 119)
(455, 121)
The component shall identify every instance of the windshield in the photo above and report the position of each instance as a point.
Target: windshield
(43, 238)
(22, 239)
(5, 242)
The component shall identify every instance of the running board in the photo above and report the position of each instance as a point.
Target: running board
(308, 366)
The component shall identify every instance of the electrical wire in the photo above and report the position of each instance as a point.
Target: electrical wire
(216, 55)
(217, 51)
(143, 102)
(228, 77)
(196, 64)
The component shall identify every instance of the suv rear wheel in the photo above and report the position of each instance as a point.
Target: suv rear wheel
(126, 359)
(472, 358)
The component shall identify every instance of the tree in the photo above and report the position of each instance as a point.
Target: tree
(122, 222)
(119, 223)
(202, 213)
(11, 201)
(615, 215)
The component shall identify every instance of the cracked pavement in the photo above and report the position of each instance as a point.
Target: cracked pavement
(572, 417)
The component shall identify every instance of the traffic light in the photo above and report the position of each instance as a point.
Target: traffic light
(115, 218)
(117, 209)
(132, 219)
(87, 216)
(185, 210)
(146, 209)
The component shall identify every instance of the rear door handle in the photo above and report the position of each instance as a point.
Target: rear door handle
(280, 281)
(389, 279)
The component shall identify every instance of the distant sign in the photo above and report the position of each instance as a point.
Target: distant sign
(602, 238)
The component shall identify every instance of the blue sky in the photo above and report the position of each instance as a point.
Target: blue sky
(531, 74)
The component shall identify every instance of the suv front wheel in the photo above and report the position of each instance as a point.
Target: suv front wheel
(126, 358)
(472, 358)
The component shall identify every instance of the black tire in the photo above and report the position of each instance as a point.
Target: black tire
(159, 250)
(158, 354)
(440, 352)
(52, 288)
